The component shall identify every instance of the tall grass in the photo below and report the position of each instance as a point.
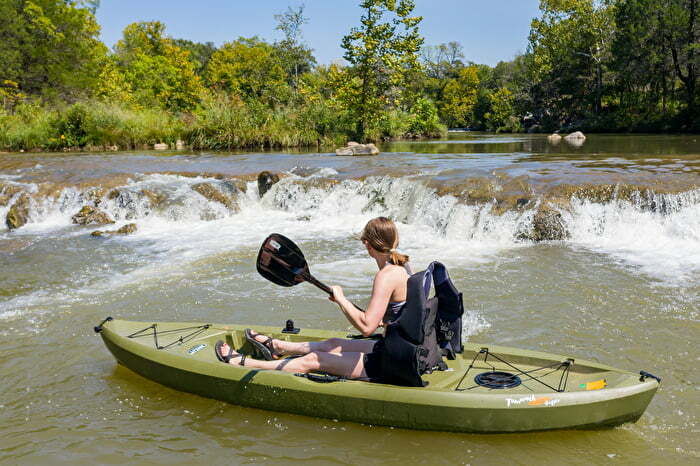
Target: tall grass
(223, 123)
(220, 123)
(91, 124)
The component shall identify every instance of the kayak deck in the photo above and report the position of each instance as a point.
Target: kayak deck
(544, 391)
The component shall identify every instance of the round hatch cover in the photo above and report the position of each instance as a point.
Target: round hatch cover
(496, 379)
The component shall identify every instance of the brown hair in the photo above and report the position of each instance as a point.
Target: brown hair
(382, 235)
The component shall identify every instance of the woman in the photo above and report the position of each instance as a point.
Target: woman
(356, 359)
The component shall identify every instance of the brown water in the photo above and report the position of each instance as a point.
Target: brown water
(623, 289)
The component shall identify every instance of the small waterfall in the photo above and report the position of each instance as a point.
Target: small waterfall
(643, 228)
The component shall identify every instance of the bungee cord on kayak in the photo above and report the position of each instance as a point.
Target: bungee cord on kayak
(179, 340)
(500, 380)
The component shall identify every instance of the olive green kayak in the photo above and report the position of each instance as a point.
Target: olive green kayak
(485, 389)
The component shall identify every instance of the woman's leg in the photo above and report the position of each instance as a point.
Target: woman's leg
(332, 345)
(350, 365)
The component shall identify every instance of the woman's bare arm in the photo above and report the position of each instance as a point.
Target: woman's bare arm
(368, 321)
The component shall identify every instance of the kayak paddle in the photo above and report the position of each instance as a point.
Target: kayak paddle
(282, 262)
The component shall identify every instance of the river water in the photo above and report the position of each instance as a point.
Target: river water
(621, 286)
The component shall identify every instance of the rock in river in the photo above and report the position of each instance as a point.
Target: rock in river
(7, 191)
(127, 229)
(547, 225)
(354, 148)
(265, 182)
(89, 215)
(213, 194)
(554, 138)
(18, 214)
(575, 139)
(576, 135)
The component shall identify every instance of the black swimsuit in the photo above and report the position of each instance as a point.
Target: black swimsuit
(372, 361)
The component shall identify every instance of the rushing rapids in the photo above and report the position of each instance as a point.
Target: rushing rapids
(630, 222)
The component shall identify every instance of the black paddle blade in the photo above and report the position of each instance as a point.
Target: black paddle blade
(281, 261)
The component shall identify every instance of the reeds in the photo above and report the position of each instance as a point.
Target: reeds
(220, 123)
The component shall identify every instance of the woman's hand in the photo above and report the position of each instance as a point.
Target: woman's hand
(338, 295)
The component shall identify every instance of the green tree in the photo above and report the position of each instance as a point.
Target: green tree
(49, 47)
(200, 53)
(251, 69)
(501, 116)
(571, 44)
(296, 57)
(682, 34)
(383, 58)
(440, 63)
(159, 72)
(459, 97)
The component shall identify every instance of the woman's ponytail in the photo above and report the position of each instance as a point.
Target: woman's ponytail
(383, 236)
(398, 258)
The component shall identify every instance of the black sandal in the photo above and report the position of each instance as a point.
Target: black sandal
(227, 358)
(265, 348)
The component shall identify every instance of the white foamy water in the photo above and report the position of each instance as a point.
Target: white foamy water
(665, 245)
(658, 235)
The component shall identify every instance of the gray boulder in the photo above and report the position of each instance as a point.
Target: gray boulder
(354, 148)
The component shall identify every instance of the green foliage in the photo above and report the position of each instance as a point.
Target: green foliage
(199, 53)
(595, 65)
(459, 97)
(227, 122)
(614, 64)
(383, 55)
(29, 127)
(500, 117)
(296, 58)
(571, 45)
(250, 69)
(159, 73)
(424, 119)
(89, 124)
(10, 95)
(49, 47)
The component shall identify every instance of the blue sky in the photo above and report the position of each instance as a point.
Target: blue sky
(489, 30)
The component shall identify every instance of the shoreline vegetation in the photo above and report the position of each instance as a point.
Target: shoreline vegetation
(593, 66)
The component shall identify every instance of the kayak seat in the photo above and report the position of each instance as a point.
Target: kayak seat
(414, 343)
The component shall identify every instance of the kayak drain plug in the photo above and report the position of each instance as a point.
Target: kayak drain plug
(290, 328)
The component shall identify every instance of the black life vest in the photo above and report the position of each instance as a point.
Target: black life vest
(414, 343)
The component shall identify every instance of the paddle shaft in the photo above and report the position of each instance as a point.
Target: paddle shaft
(318, 283)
